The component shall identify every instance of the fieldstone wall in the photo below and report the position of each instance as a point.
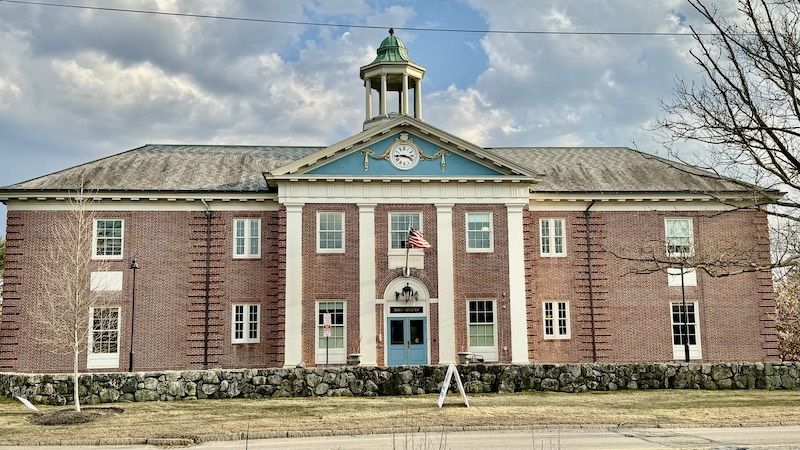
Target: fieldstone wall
(373, 381)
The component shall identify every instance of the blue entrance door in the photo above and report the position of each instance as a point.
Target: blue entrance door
(407, 341)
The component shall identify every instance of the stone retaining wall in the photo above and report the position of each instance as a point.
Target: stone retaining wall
(374, 381)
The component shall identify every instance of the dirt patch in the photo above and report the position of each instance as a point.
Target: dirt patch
(71, 417)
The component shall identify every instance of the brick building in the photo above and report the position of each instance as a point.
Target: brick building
(249, 255)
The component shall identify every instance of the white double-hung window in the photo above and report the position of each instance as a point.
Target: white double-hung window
(331, 349)
(551, 237)
(247, 238)
(399, 222)
(108, 238)
(330, 232)
(481, 320)
(679, 236)
(556, 320)
(103, 351)
(479, 232)
(245, 322)
(685, 330)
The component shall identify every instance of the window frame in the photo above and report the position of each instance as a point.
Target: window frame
(341, 232)
(551, 237)
(248, 238)
(335, 355)
(103, 360)
(696, 349)
(667, 237)
(392, 231)
(555, 321)
(490, 233)
(247, 323)
(95, 238)
(489, 352)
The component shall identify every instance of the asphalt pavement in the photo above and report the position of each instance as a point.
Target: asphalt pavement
(622, 438)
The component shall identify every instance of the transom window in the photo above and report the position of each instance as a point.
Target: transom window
(679, 236)
(479, 231)
(247, 238)
(103, 352)
(399, 222)
(330, 231)
(108, 236)
(331, 349)
(684, 326)
(246, 318)
(556, 320)
(482, 329)
(551, 233)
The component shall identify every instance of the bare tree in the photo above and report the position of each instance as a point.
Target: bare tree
(746, 110)
(788, 317)
(62, 313)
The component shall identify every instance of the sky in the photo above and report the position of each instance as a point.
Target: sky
(79, 84)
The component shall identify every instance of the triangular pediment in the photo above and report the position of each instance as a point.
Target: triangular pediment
(377, 154)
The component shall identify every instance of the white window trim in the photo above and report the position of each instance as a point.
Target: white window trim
(247, 238)
(556, 335)
(330, 250)
(246, 339)
(491, 232)
(691, 237)
(402, 251)
(696, 350)
(552, 253)
(489, 353)
(335, 355)
(102, 360)
(121, 237)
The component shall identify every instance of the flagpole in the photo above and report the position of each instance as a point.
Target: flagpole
(406, 271)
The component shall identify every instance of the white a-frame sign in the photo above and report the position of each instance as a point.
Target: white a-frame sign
(451, 369)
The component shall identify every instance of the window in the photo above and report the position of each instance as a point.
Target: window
(108, 234)
(246, 317)
(482, 329)
(684, 325)
(398, 227)
(247, 238)
(103, 338)
(479, 232)
(330, 232)
(556, 320)
(679, 237)
(331, 350)
(551, 232)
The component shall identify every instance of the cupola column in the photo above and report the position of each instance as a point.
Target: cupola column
(418, 100)
(368, 86)
(404, 96)
(384, 112)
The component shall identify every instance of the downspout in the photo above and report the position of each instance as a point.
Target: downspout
(209, 216)
(586, 215)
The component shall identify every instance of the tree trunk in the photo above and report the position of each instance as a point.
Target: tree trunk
(75, 376)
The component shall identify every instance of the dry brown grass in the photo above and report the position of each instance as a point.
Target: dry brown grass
(210, 418)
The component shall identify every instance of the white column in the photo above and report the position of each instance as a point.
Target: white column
(447, 314)
(368, 109)
(293, 346)
(404, 95)
(383, 95)
(418, 100)
(366, 276)
(516, 280)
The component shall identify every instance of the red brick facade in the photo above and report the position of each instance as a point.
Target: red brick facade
(615, 315)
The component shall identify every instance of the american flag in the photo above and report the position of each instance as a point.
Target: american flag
(417, 240)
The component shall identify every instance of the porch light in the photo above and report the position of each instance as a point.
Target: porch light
(406, 294)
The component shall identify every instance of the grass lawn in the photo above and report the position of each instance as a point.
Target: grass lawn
(210, 419)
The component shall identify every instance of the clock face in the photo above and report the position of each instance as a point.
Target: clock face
(404, 155)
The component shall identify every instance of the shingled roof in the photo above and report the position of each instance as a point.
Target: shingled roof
(204, 168)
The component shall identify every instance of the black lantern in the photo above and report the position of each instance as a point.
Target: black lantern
(406, 294)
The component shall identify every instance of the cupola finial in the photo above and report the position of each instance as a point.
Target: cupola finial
(391, 31)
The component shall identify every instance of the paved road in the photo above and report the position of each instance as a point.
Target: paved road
(549, 439)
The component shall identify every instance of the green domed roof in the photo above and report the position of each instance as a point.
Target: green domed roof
(392, 49)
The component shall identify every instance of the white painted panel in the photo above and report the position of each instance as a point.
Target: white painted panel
(106, 281)
(674, 277)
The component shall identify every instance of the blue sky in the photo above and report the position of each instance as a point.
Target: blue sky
(77, 85)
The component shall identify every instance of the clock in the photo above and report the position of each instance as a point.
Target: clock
(404, 155)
